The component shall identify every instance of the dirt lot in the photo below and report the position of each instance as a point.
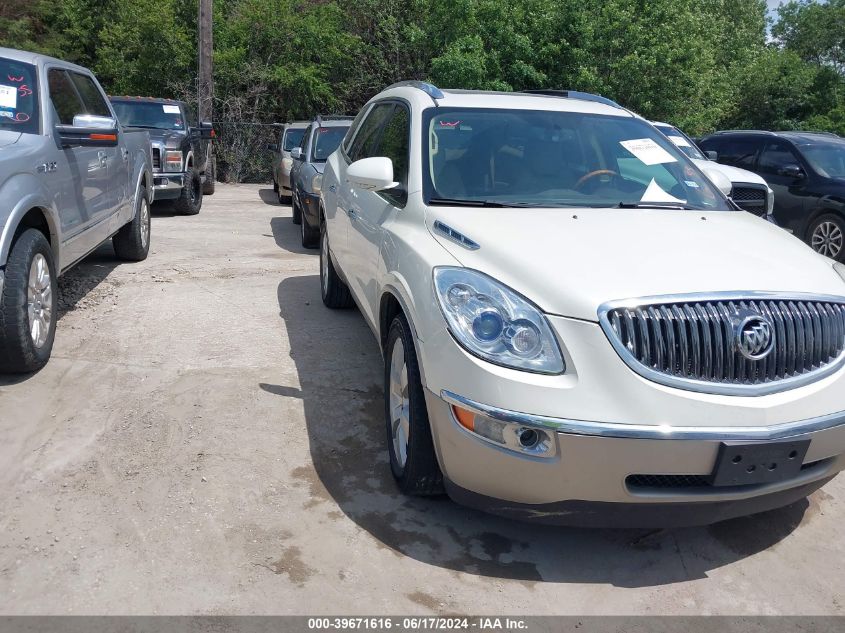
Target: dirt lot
(208, 439)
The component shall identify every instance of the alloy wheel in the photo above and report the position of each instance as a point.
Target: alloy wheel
(39, 300)
(400, 405)
(827, 239)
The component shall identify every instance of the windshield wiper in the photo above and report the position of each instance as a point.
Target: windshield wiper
(460, 202)
(655, 205)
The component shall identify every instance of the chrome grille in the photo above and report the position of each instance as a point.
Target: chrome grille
(694, 342)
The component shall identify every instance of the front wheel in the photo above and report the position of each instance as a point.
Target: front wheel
(190, 198)
(827, 236)
(335, 293)
(27, 305)
(409, 442)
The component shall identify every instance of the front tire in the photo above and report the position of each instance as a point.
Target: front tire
(27, 305)
(335, 293)
(413, 461)
(190, 199)
(826, 235)
(132, 241)
(310, 236)
(210, 183)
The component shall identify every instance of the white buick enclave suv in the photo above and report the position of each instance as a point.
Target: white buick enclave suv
(577, 325)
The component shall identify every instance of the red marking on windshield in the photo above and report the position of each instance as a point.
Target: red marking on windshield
(24, 91)
(21, 117)
(449, 123)
(15, 79)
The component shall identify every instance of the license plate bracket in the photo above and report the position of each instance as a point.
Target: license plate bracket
(743, 464)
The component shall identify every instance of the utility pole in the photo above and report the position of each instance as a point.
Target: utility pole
(205, 87)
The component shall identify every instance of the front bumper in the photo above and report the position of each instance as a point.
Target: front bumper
(608, 424)
(168, 185)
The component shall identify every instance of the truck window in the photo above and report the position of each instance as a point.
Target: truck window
(64, 97)
(94, 101)
(739, 152)
(18, 97)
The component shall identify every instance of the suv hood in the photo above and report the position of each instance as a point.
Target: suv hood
(570, 261)
(734, 174)
(8, 137)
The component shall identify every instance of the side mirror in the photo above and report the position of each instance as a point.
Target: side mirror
(206, 131)
(88, 130)
(791, 171)
(712, 155)
(273, 147)
(722, 182)
(371, 174)
(296, 153)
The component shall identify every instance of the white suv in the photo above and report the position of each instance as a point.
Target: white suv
(577, 325)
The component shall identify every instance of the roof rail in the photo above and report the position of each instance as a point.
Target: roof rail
(744, 132)
(573, 94)
(431, 90)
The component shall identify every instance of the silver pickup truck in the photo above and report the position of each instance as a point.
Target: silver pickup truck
(71, 177)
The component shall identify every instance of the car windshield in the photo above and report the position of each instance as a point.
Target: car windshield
(164, 116)
(681, 141)
(828, 158)
(326, 141)
(541, 158)
(293, 137)
(18, 97)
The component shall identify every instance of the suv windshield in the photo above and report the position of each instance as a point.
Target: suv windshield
(681, 141)
(18, 97)
(165, 116)
(327, 140)
(293, 137)
(543, 158)
(828, 159)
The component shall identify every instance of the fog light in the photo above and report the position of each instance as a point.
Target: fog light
(509, 435)
(528, 438)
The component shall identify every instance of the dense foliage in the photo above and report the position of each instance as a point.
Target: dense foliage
(701, 64)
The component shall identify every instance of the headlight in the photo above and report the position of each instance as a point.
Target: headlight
(173, 160)
(840, 268)
(494, 323)
(770, 201)
(287, 163)
(317, 183)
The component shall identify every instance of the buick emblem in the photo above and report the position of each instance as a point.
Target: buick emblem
(755, 337)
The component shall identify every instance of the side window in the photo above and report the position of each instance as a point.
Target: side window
(94, 101)
(776, 156)
(304, 142)
(739, 152)
(364, 145)
(394, 144)
(64, 97)
(350, 134)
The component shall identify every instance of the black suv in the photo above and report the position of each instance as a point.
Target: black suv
(806, 170)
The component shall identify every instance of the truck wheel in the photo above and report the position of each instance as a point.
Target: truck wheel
(335, 293)
(132, 241)
(27, 305)
(210, 179)
(827, 236)
(409, 443)
(190, 199)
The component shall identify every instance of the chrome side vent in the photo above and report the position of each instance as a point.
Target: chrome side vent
(456, 236)
(743, 345)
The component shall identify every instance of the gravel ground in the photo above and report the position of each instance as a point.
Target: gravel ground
(208, 439)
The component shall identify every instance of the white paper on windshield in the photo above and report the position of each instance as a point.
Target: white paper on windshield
(8, 97)
(171, 109)
(680, 141)
(648, 151)
(656, 193)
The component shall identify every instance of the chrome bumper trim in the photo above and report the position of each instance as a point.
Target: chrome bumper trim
(650, 431)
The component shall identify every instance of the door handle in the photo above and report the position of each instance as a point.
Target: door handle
(125, 153)
(351, 211)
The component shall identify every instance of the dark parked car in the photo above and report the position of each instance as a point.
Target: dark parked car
(806, 170)
(321, 139)
(182, 161)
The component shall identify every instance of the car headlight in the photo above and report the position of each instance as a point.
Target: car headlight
(770, 201)
(287, 163)
(493, 322)
(840, 268)
(173, 160)
(317, 183)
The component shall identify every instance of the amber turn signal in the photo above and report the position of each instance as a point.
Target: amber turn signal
(464, 417)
